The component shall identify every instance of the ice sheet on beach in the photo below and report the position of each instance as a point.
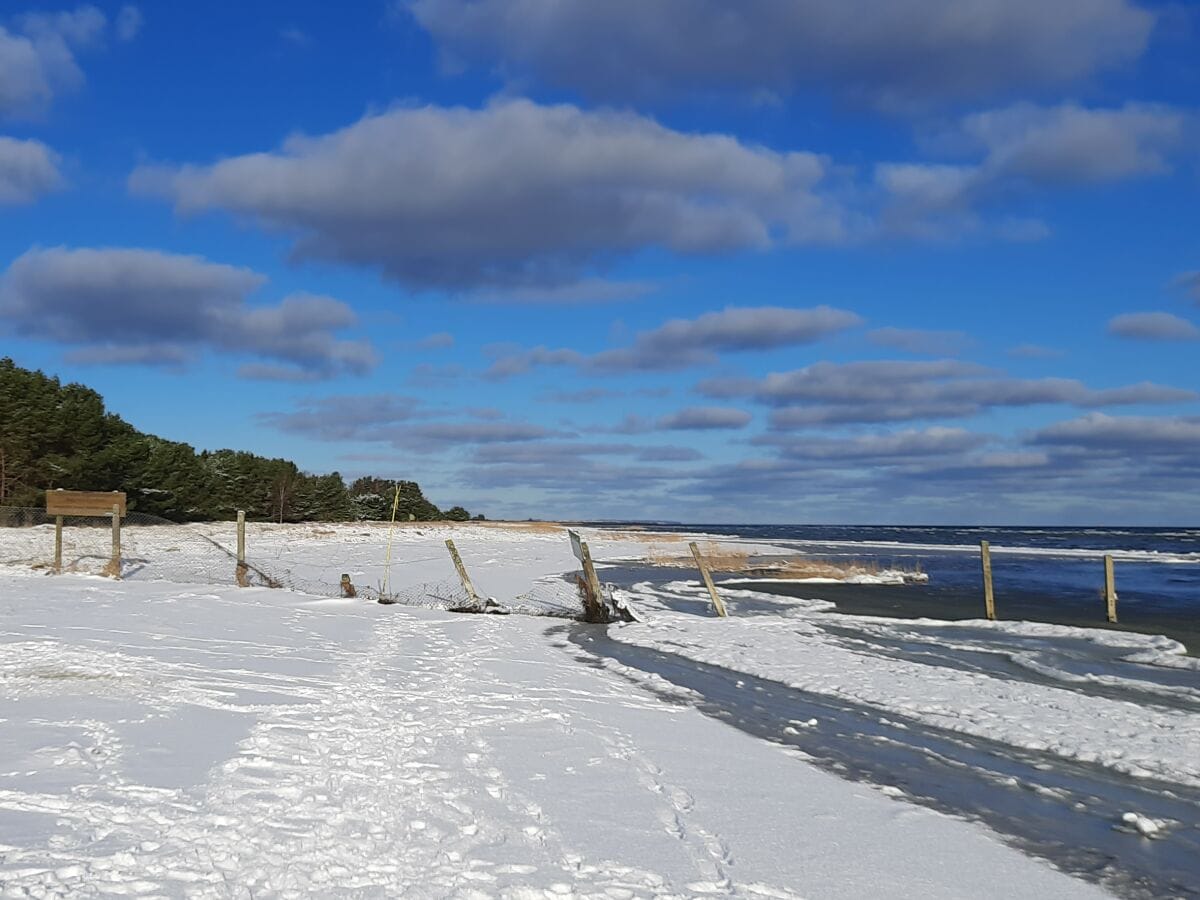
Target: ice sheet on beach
(1123, 700)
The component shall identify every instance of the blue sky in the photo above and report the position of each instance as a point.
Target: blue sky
(805, 261)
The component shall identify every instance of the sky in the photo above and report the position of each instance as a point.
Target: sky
(797, 261)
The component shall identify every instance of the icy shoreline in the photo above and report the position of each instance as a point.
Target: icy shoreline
(207, 740)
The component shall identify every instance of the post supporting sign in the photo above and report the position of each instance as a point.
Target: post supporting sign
(95, 504)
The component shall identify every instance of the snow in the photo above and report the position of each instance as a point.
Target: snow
(166, 739)
(1120, 732)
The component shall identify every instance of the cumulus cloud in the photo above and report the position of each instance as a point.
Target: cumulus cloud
(1027, 146)
(683, 343)
(125, 305)
(37, 56)
(28, 169)
(1153, 326)
(535, 198)
(908, 53)
(899, 391)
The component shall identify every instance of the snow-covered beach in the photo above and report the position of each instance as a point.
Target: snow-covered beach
(161, 738)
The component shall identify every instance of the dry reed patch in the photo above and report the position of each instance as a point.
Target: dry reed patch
(647, 537)
(532, 527)
(719, 558)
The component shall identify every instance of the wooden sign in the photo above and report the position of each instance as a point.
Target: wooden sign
(576, 545)
(84, 503)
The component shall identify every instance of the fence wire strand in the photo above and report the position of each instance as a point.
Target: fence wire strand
(154, 549)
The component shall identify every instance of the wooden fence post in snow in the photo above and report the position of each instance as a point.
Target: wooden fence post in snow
(462, 573)
(989, 598)
(718, 604)
(58, 544)
(594, 609)
(1110, 589)
(242, 572)
(114, 565)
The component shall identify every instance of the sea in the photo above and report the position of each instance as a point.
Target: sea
(1040, 574)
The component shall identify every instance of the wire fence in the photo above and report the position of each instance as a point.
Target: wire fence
(154, 549)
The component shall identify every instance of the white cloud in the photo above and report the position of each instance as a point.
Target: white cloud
(682, 343)
(133, 305)
(878, 391)
(1153, 326)
(705, 418)
(514, 195)
(37, 56)
(903, 53)
(1027, 147)
(28, 169)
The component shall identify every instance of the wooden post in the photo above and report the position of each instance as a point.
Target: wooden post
(115, 565)
(1110, 589)
(58, 544)
(241, 571)
(718, 605)
(462, 572)
(594, 609)
(348, 587)
(989, 598)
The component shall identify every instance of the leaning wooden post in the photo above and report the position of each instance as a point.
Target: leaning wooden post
(595, 611)
(989, 598)
(1110, 589)
(718, 604)
(115, 565)
(462, 572)
(58, 544)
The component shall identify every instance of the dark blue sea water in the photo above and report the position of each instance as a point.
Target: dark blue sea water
(1041, 574)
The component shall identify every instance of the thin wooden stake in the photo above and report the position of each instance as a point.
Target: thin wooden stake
(594, 609)
(115, 565)
(989, 598)
(58, 544)
(387, 559)
(718, 604)
(1110, 589)
(462, 572)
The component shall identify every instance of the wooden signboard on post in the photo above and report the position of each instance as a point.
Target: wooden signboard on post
(84, 503)
(87, 503)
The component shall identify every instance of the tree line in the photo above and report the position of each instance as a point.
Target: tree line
(55, 435)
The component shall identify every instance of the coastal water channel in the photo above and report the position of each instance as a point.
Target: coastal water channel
(1063, 810)
(1041, 574)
